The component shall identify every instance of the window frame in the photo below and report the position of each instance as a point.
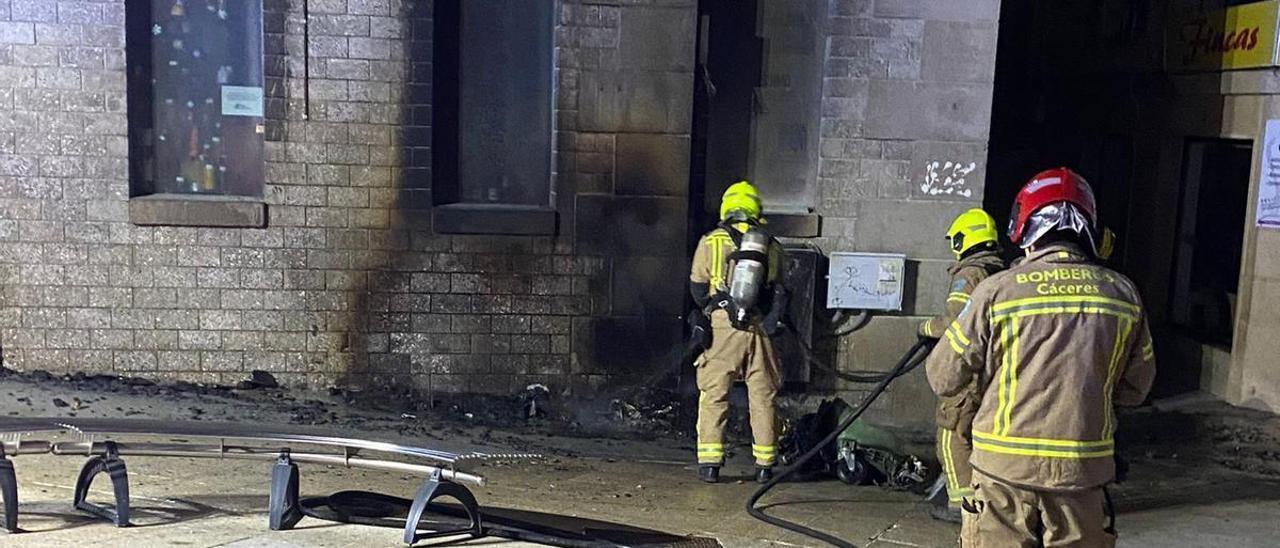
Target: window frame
(148, 204)
(452, 214)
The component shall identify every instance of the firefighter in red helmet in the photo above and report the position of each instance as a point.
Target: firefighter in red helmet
(1054, 343)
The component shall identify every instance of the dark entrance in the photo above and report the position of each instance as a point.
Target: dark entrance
(1210, 238)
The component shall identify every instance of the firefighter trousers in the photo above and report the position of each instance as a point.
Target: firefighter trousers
(1000, 515)
(954, 449)
(734, 355)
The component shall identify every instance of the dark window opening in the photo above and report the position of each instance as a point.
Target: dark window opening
(195, 93)
(1210, 238)
(760, 84)
(492, 99)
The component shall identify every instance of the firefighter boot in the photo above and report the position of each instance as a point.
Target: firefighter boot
(764, 474)
(709, 474)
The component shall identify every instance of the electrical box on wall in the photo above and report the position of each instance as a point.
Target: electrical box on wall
(866, 281)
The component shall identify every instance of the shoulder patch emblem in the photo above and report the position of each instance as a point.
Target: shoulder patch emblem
(958, 285)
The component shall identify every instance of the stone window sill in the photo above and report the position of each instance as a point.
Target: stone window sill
(198, 210)
(794, 225)
(497, 219)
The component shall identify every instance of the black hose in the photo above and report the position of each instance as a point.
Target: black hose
(859, 321)
(909, 361)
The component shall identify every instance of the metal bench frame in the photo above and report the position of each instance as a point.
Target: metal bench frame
(102, 440)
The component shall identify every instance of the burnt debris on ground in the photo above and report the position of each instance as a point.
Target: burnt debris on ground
(1204, 434)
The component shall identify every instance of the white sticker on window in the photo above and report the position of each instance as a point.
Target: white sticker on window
(241, 101)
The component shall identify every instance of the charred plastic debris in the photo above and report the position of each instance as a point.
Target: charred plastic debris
(1212, 434)
(636, 412)
(643, 414)
(862, 454)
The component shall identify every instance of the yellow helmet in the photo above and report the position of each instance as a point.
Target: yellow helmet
(1108, 245)
(740, 196)
(971, 229)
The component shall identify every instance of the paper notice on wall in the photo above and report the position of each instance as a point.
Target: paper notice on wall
(241, 101)
(865, 281)
(1269, 179)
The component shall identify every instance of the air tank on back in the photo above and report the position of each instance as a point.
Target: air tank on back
(749, 273)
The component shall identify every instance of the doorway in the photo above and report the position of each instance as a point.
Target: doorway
(758, 101)
(1210, 239)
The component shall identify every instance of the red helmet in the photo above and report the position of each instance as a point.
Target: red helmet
(1050, 187)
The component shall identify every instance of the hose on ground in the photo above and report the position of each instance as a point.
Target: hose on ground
(909, 361)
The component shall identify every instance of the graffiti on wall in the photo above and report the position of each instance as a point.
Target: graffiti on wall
(947, 178)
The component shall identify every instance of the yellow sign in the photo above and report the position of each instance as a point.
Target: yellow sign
(1238, 37)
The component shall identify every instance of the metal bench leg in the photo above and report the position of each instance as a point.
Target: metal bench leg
(282, 506)
(9, 492)
(110, 463)
(432, 489)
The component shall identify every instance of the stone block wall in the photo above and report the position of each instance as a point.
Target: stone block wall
(906, 109)
(348, 284)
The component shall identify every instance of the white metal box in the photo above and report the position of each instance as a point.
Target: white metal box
(866, 281)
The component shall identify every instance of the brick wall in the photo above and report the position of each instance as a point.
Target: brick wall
(68, 269)
(349, 285)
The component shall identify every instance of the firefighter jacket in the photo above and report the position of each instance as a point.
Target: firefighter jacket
(965, 275)
(1055, 343)
(711, 266)
(956, 412)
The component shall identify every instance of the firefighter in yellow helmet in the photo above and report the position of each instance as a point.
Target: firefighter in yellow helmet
(734, 280)
(974, 239)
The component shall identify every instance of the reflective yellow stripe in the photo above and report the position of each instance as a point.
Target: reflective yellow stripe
(955, 345)
(958, 296)
(1002, 389)
(717, 244)
(948, 467)
(1065, 299)
(1042, 452)
(928, 328)
(1064, 304)
(1072, 309)
(955, 490)
(1051, 442)
(710, 453)
(1117, 353)
(1008, 375)
(959, 333)
(765, 454)
(1042, 447)
(714, 242)
(1012, 352)
(1148, 351)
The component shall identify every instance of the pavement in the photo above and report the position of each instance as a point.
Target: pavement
(639, 483)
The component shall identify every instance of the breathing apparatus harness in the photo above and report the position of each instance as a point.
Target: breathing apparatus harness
(748, 275)
(740, 297)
